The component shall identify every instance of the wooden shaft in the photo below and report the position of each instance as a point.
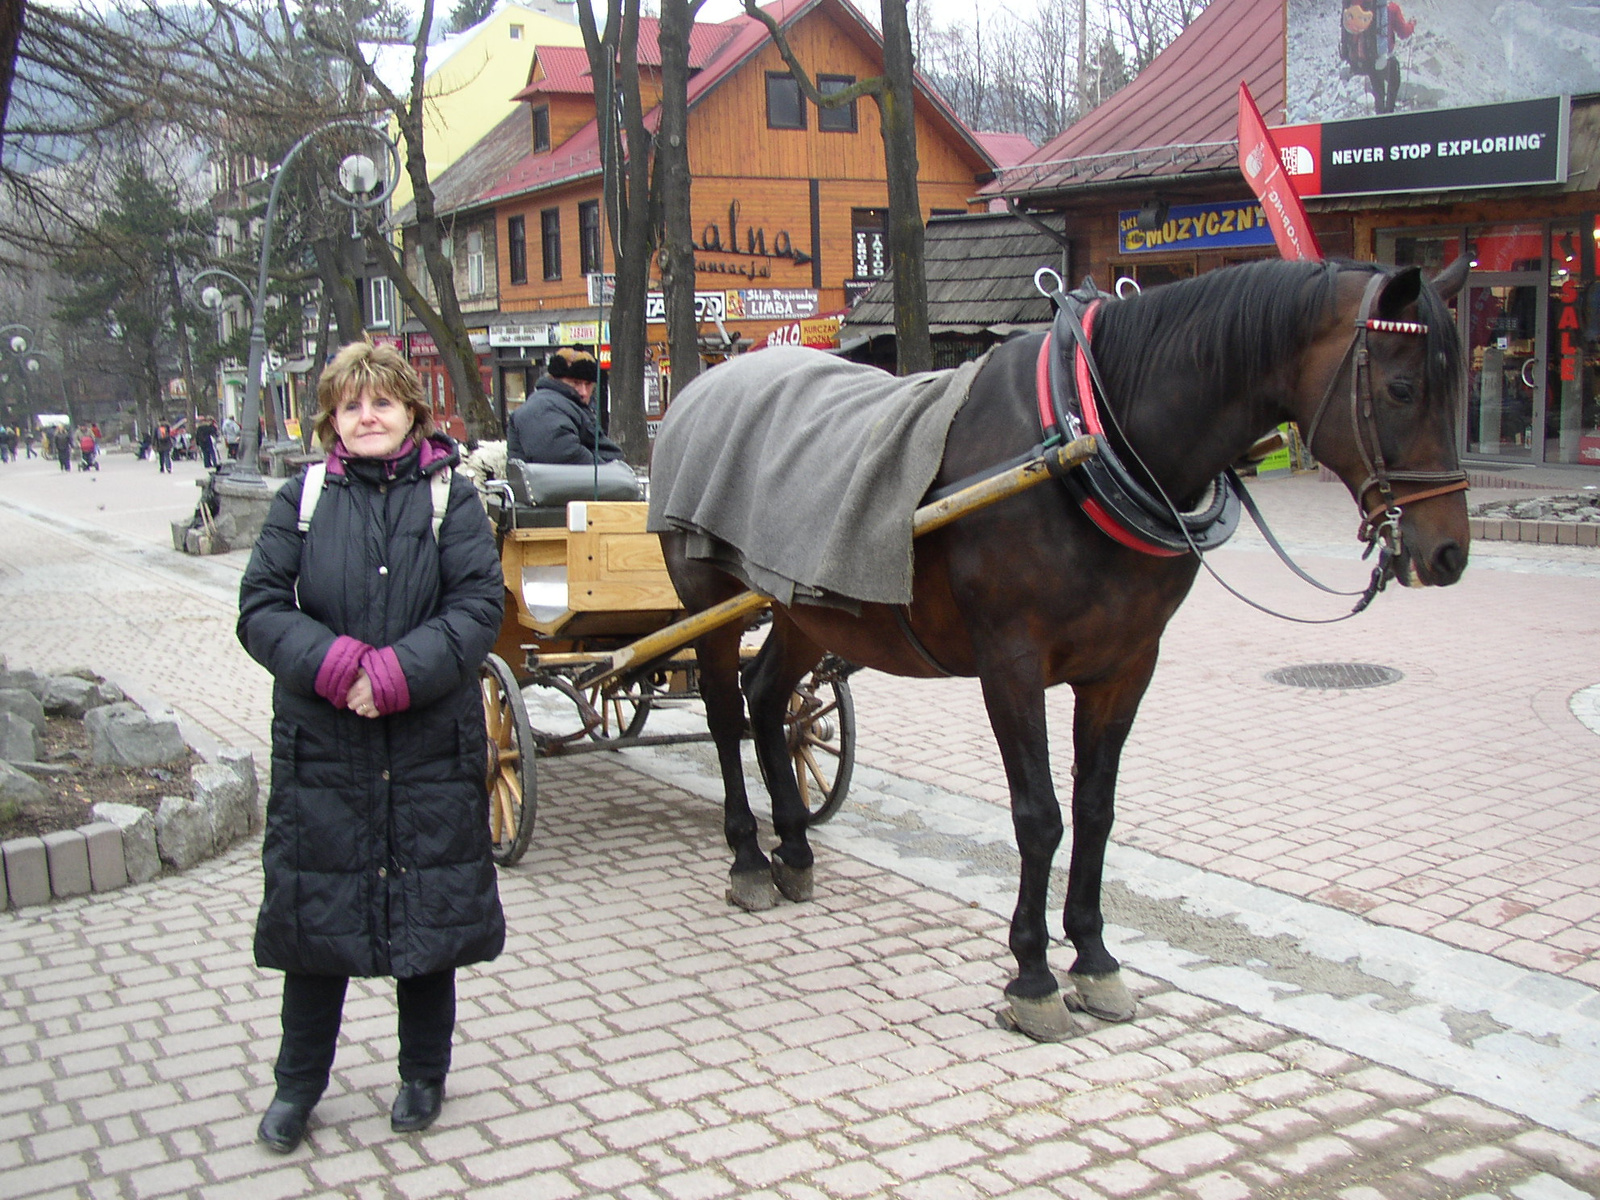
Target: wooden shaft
(927, 518)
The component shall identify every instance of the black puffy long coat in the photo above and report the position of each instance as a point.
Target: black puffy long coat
(377, 849)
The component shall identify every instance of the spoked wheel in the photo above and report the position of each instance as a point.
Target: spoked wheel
(821, 731)
(510, 766)
(623, 708)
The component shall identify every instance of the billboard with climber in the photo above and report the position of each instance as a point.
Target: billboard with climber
(1360, 58)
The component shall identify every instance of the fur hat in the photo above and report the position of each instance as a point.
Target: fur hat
(571, 363)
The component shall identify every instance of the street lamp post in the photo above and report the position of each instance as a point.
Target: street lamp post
(357, 173)
(16, 347)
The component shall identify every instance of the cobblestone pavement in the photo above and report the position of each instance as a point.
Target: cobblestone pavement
(640, 1039)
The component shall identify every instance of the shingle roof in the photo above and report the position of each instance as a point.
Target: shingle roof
(1179, 116)
(980, 269)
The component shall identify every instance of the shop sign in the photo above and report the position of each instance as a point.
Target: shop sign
(773, 304)
(708, 306)
(820, 333)
(602, 288)
(391, 340)
(1491, 145)
(537, 334)
(422, 345)
(479, 339)
(1196, 227)
(571, 332)
(753, 244)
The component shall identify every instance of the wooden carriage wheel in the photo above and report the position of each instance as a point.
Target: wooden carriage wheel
(821, 729)
(510, 768)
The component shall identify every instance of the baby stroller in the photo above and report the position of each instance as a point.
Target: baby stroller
(89, 453)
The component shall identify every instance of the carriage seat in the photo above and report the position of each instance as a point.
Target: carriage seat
(542, 490)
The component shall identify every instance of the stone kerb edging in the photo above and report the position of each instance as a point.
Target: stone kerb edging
(125, 843)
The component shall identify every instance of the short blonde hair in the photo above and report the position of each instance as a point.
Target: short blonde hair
(384, 369)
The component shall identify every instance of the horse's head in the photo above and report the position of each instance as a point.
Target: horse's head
(1381, 387)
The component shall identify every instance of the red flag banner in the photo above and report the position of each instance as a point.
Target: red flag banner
(1263, 171)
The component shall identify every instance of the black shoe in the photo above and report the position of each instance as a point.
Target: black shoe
(284, 1125)
(417, 1106)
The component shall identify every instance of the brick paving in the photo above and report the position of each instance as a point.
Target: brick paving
(1460, 802)
(640, 1039)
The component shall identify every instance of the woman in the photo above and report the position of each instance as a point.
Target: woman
(373, 623)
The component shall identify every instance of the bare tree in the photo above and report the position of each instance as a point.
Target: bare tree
(674, 183)
(632, 207)
(894, 92)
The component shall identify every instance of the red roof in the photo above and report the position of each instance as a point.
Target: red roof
(1186, 97)
(565, 69)
(724, 48)
(1006, 149)
(562, 70)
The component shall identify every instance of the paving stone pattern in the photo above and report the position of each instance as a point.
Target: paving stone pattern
(1458, 803)
(641, 1039)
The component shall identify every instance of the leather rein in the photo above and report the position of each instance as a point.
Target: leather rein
(1380, 526)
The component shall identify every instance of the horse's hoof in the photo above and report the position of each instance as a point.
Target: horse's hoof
(1102, 996)
(793, 882)
(752, 891)
(1044, 1019)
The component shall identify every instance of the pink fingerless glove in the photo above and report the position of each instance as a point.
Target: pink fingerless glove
(390, 692)
(339, 669)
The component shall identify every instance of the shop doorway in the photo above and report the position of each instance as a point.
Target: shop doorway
(1504, 326)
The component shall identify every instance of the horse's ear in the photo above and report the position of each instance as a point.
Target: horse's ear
(1448, 282)
(1400, 292)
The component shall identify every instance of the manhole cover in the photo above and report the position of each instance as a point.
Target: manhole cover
(1335, 676)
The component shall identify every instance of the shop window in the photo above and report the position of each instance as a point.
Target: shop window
(869, 241)
(517, 248)
(541, 129)
(1431, 249)
(1572, 371)
(589, 237)
(1506, 247)
(1153, 274)
(475, 271)
(786, 107)
(843, 118)
(550, 241)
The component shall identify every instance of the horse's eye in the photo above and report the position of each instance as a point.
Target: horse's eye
(1402, 391)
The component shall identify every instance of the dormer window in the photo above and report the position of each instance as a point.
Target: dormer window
(541, 129)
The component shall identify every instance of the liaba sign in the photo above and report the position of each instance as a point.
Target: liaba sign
(1490, 145)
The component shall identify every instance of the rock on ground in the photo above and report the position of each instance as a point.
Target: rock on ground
(124, 735)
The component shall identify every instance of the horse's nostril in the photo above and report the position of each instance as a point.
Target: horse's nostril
(1449, 560)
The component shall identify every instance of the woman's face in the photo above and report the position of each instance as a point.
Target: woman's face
(372, 425)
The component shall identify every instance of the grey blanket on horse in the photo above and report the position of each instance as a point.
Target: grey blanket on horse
(799, 471)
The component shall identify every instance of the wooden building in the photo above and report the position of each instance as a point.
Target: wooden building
(789, 200)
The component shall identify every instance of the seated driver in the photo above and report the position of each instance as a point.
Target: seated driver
(556, 423)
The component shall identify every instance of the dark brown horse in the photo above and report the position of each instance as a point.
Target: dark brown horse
(1028, 593)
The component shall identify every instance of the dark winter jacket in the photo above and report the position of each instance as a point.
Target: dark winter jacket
(377, 851)
(555, 426)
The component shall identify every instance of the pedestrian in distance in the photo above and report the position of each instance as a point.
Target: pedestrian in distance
(61, 442)
(230, 435)
(163, 445)
(89, 449)
(205, 439)
(29, 439)
(373, 601)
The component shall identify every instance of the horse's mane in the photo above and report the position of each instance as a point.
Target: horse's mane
(1234, 326)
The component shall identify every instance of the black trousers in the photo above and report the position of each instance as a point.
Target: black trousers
(312, 1006)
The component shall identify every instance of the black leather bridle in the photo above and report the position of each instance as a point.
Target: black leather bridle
(1383, 521)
